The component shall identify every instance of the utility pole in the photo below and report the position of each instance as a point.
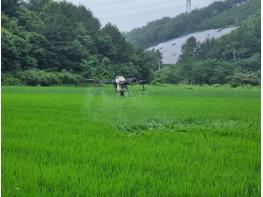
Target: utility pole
(234, 53)
(159, 59)
(188, 6)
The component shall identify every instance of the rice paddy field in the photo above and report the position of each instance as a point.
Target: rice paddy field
(165, 141)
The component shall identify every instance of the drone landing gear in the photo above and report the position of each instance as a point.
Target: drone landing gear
(143, 88)
(128, 90)
(121, 89)
(122, 92)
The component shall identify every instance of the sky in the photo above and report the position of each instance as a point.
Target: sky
(129, 14)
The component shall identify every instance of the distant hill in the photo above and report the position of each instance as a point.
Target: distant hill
(172, 49)
(218, 15)
(234, 58)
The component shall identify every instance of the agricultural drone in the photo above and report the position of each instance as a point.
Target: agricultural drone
(120, 84)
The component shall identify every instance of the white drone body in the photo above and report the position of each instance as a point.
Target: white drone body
(119, 81)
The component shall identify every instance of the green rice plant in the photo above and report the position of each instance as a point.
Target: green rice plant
(166, 141)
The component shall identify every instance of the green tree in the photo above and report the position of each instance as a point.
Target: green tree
(190, 50)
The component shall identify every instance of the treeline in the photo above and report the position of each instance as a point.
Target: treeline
(218, 15)
(234, 58)
(46, 42)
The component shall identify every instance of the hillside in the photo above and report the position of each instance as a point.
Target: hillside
(234, 58)
(46, 42)
(217, 15)
(172, 49)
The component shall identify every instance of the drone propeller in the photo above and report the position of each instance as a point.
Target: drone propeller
(107, 81)
(141, 81)
(127, 82)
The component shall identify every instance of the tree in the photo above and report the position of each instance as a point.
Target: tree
(9, 7)
(37, 5)
(190, 50)
(115, 38)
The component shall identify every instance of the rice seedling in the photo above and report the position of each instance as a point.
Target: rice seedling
(166, 141)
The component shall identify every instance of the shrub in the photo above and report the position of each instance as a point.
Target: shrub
(69, 78)
(36, 77)
(8, 80)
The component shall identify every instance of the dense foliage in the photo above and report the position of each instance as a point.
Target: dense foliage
(234, 58)
(218, 15)
(50, 42)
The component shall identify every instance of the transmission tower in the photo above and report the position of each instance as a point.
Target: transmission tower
(188, 6)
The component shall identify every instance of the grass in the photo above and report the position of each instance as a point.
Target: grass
(166, 141)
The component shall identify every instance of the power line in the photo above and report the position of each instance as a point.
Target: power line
(108, 2)
(131, 7)
(84, 2)
(143, 12)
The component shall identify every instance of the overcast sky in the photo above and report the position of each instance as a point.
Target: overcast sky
(128, 14)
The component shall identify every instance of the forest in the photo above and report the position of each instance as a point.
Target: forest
(47, 43)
